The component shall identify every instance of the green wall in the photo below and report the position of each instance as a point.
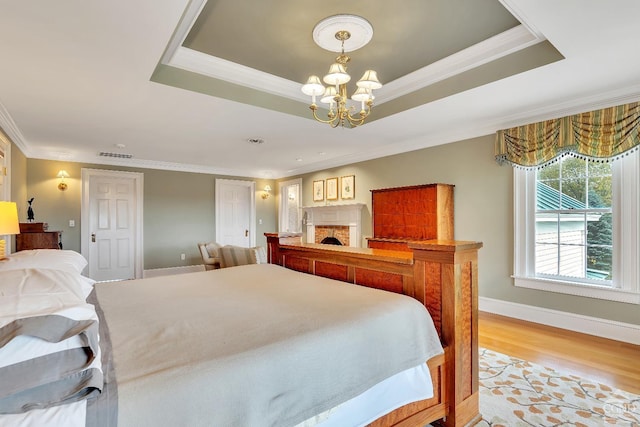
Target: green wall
(18, 184)
(483, 212)
(178, 209)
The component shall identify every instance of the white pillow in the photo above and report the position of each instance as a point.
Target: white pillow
(33, 292)
(54, 259)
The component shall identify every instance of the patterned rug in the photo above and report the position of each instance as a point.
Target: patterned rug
(517, 393)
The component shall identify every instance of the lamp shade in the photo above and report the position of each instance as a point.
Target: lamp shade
(362, 94)
(63, 174)
(329, 95)
(9, 218)
(313, 87)
(337, 75)
(369, 80)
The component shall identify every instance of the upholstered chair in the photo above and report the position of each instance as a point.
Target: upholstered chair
(210, 255)
(231, 256)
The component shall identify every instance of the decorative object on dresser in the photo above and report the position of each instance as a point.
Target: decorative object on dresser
(35, 235)
(8, 223)
(413, 213)
(30, 214)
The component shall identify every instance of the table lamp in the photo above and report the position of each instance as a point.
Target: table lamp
(8, 223)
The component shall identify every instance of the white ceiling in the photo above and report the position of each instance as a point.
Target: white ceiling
(75, 80)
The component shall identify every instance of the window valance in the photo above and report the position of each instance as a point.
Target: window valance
(600, 135)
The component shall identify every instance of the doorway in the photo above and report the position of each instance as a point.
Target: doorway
(111, 224)
(235, 212)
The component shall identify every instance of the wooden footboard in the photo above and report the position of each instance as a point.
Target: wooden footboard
(443, 276)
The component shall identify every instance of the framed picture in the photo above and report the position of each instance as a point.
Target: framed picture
(347, 187)
(332, 188)
(318, 191)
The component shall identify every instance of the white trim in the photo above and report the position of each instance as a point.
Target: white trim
(138, 179)
(170, 271)
(283, 188)
(488, 50)
(605, 328)
(583, 290)
(12, 131)
(498, 46)
(626, 234)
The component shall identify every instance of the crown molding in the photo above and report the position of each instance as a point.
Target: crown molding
(12, 131)
(498, 46)
(202, 63)
(495, 47)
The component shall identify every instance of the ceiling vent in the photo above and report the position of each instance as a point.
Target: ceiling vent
(116, 155)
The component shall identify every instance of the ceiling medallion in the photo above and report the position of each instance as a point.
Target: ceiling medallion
(351, 33)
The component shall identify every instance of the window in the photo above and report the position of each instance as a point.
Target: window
(290, 197)
(576, 228)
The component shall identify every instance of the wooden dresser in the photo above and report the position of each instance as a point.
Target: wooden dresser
(414, 213)
(34, 235)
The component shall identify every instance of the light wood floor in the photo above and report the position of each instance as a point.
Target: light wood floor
(609, 362)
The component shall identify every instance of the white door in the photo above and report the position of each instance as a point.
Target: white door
(111, 235)
(235, 212)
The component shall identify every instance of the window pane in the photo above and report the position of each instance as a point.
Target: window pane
(572, 167)
(599, 169)
(572, 261)
(599, 262)
(600, 192)
(547, 228)
(550, 172)
(574, 194)
(547, 243)
(572, 229)
(599, 250)
(546, 259)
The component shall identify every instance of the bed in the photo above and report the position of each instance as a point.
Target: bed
(253, 345)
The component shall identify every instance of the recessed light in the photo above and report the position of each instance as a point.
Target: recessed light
(299, 159)
(121, 146)
(321, 153)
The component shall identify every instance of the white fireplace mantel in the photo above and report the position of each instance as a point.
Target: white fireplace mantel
(349, 215)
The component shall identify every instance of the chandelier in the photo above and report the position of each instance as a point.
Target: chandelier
(356, 32)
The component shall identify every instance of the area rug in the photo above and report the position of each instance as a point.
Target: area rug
(517, 393)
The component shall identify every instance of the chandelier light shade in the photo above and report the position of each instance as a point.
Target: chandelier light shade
(335, 93)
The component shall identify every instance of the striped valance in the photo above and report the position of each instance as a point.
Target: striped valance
(600, 135)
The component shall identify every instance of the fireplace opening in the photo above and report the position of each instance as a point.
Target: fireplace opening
(331, 241)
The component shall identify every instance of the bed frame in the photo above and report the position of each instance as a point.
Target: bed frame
(443, 276)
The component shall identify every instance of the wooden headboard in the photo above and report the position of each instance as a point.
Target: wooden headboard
(443, 276)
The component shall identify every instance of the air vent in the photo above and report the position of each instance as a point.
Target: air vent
(116, 155)
(255, 141)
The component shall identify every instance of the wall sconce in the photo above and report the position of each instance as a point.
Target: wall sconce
(267, 192)
(8, 223)
(62, 175)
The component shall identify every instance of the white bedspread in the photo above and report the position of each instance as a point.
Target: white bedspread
(256, 345)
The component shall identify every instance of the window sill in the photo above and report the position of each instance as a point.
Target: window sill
(583, 290)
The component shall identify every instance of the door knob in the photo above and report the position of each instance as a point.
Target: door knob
(246, 233)
(93, 237)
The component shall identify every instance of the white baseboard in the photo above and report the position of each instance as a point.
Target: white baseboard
(610, 329)
(156, 272)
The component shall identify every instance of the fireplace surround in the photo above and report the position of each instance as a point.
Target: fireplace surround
(343, 222)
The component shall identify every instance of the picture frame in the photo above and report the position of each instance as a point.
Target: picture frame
(318, 191)
(332, 188)
(347, 187)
